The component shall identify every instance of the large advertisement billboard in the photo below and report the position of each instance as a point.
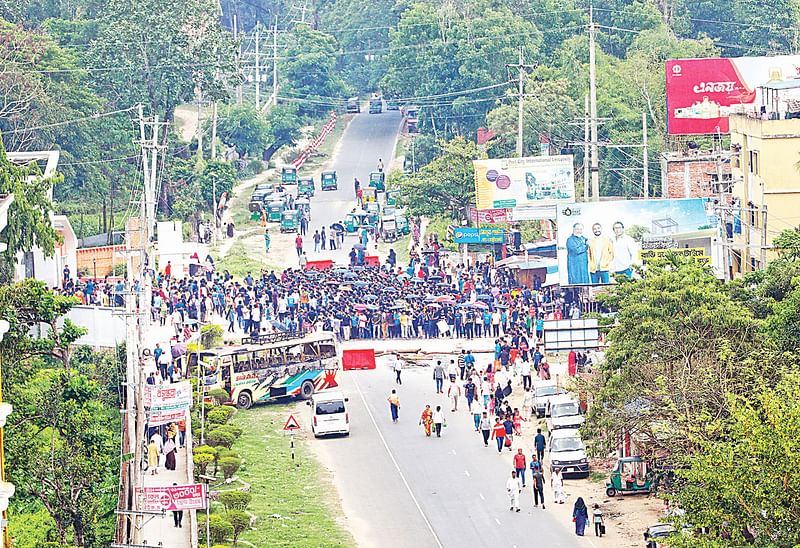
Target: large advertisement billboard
(701, 92)
(599, 240)
(515, 182)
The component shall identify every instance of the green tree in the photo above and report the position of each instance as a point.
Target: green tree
(240, 522)
(748, 477)
(446, 185)
(283, 127)
(787, 243)
(243, 127)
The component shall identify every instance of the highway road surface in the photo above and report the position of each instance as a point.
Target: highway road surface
(401, 489)
(367, 138)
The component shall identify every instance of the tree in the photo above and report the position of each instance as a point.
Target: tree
(243, 127)
(446, 185)
(680, 344)
(240, 522)
(28, 221)
(787, 243)
(235, 500)
(748, 477)
(283, 127)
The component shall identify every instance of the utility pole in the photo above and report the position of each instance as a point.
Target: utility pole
(593, 108)
(257, 78)
(199, 94)
(763, 257)
(522, 68)
(586, 157)
(214, 131)
(275, 61)
(646, 177)
(239, 57)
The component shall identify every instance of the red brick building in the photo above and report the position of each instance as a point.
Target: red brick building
(693, 174)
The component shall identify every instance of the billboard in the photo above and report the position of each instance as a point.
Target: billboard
(701, 92)
(470, 235)
(488, 216)
(170, 498)
(599, 240)
(514, 182)
(162, 398)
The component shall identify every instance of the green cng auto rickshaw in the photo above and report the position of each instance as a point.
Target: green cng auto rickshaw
(356, 220)
(629, 476)
(374, 212)
(329, 181)
(391, 197)
(290, 219)
(377, 180)
(288, 175)
(303, 206)
(305, 185)
(274, 211)
(402, 222)
(389, 228)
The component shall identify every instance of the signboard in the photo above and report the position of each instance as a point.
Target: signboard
(471, 235)
(493, 216)
(157, 419)
(700, 92)
(564, 335)
(598, 240)
(173, 497)
(514, 182)
(291, 423)
(168, 397)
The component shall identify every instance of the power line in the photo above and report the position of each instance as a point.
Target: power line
(74, 121)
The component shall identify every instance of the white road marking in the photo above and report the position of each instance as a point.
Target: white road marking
(498, 521)
(397, 466)
(453, 451)
(482, 497)
(466, 472)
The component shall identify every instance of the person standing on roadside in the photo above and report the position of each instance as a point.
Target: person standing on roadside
(519, 465)
(394, 405)
(513, 488)
(477, 412)
(438, 376)
(398, 368)
(537, 483)
(454, 392)
(462, 365)
(499, 434)
(438, 421)
(539, 444)
(557, 483)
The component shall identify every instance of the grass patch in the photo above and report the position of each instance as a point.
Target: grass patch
(238, 262)
(598, 477)
(278, 487)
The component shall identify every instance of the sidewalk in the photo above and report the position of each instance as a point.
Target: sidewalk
(161, 529)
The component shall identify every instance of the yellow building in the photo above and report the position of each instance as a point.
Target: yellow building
(766, 183)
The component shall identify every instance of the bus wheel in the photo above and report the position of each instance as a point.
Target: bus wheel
(244, 401)
(307, 390)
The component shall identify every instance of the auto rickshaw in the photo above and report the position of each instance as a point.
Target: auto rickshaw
(402, 223)
(369, 194)
(357, 220)
(290, 219)
(274, 211)
(374, 211)
(629, 476)
(377, 180)
(391, 197)
(288, 175)
(329, 180)
(305, 185)
(389, 228)
(303, 206)
(256, 203)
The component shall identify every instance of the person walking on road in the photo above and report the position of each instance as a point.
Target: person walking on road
(398, 368)
(527, 404)
(508, 424)
(537, 483)
(486, 428)
(177, 515)
(477, 411)
(266, 240)
(597, 519)
(298, 245)
(539, 444)
(438, 421)
(519, 465)
(454, 392)
(514, 488)
(452, 370)
(438, 376)
(462, 365)
(469, 393)
(557, 483)
(152, 457)
(394, 405)
(499, 434)
(426, 420)
(580, 515)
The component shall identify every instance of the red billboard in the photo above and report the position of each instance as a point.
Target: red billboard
(173, 497)
(701, 92)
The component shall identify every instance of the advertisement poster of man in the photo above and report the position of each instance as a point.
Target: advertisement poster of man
(598, 241)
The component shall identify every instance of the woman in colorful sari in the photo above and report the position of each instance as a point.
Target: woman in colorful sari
(426, 420)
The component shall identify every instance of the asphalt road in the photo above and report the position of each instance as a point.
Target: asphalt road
(402, 489)
(367, 138)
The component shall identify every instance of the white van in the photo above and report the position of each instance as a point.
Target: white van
(564, 413)
(567, 453)
(329, 414)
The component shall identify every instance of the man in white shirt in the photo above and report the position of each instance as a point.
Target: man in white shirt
(525, 372)
(397, 365)
(626, 252)
(514, 488)
(454, 392)
(452, 370)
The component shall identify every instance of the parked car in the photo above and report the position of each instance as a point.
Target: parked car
(567, 453)
(564, 413)
(329, 414)
(656, 532)
(542, 392)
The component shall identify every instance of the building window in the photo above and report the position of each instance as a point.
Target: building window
(754, 162)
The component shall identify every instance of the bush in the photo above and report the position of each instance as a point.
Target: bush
(219, 528)
(211, 335)
(219, 438)
(240, 522)
(219, 415)
(234, 431)
(255, 167)
(227, 453)
(219, 546)
(235, 500)
(201, 462)
(229, 466)
(213, 451)
(219, 396)
(120, 269)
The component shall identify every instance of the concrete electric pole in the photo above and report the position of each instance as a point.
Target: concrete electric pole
(522, 69)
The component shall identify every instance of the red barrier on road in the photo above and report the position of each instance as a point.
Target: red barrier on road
(322, 264)
(372, 260)
(358, 359)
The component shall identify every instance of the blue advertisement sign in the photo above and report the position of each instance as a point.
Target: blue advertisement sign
(470, 235)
